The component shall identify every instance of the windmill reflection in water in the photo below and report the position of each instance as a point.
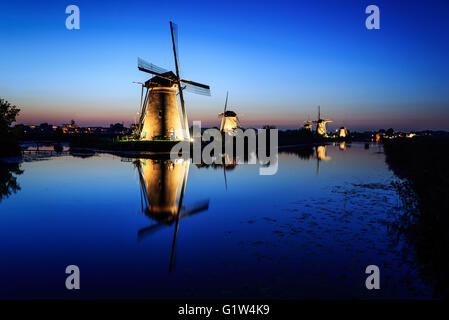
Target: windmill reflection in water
(162, 188)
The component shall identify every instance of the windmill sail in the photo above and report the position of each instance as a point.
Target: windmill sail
(174, 33)
(197, 88)
(226, 102)
(149, 67)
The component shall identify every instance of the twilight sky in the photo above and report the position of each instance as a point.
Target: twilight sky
(278, 59)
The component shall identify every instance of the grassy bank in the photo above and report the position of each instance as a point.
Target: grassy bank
(423, 164)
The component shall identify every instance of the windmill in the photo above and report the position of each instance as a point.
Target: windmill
(162, 188)
(342, 132)
(320, 124)
(229, 120)
(308, 125)
(159, 113)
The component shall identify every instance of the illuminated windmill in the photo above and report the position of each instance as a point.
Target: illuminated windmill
(159, 113)
(162, 186)
(229, 120)
(342, 132)
(320, 124)
(308, 125)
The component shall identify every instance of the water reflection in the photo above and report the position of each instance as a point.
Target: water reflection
(308, 152)
(303, 153)
(321, 153)
(288, 235)
(8, 179)
(162, 187)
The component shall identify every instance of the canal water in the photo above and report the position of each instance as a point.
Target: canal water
(151, 228)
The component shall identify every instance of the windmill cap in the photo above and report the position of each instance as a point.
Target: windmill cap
(167, 80)
(230, 114)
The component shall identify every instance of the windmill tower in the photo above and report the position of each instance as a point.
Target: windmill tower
(162, 188)
(229, 120)
(160, 118)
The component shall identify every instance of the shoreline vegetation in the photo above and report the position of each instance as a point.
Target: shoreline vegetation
(422, 164)
(9, 137)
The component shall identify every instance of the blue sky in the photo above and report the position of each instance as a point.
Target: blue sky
(278, 59)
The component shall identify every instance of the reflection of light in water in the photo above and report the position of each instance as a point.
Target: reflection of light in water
(321, 153)
(163, 185)
(342, 145)
(163, 181)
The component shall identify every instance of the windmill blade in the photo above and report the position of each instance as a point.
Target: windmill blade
(184, 114)
(174, 38)
(145, 232)
(174, 35)
(149, 67)
(143, 111)
(196, 84)
(173, 246)
(141, 98)
(143, 185)
(226, 102)
(195, 87)
(199, 208)
(225, 180)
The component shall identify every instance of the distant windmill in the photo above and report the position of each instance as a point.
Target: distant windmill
(342, 132)
(162, 188)
(320, 124)
(229, 120)
(308, 125)
(159, 114)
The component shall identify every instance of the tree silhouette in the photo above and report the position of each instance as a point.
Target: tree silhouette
(8, 114)
(8, 182)
(9, 144)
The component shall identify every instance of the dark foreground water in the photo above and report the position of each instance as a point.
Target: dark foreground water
(308, 231)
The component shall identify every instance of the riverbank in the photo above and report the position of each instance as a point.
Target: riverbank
(422, 164)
